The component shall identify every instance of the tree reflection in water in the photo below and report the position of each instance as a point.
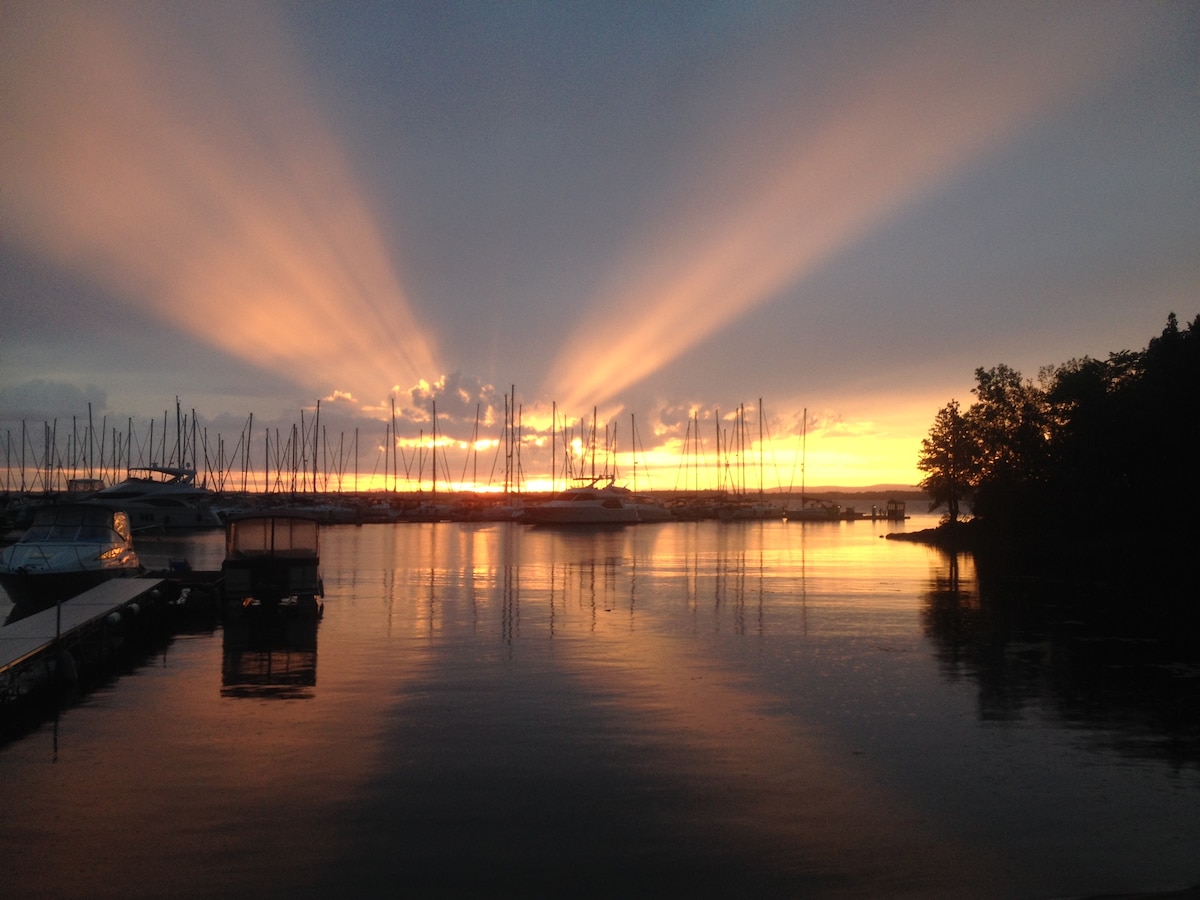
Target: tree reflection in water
(1100, 659)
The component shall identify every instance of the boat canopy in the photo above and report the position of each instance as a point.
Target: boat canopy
(271, 536)
(163, 474)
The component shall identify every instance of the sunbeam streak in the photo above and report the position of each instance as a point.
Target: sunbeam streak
(764, 209)
(201, 187)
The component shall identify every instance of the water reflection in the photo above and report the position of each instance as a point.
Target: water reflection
(718, 709)
(557, 581)
(1086, 656)
(585, 713)
(275, 659)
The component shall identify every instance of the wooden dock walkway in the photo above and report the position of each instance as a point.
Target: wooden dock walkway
(25, 640)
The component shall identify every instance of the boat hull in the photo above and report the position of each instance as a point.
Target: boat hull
(585, 517)
(810, 514)
(156, 517)
(585, 505)
(583, 521)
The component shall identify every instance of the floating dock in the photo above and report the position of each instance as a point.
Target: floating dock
(47, 643)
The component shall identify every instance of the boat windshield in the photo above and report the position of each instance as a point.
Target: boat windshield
(70, 524)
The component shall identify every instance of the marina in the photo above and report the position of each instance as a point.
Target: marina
(390, 507)
(384, 506)
(297, 471)
(192, 480)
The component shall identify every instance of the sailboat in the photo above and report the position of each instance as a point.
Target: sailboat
(743, 506)
(809, 510)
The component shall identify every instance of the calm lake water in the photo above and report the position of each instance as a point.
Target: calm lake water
(686, 709)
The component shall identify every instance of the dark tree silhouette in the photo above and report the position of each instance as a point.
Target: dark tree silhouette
(1108, 444)
(947, 455)
(1011, 431)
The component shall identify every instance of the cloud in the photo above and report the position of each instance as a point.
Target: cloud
(41, 401)
(459, 399)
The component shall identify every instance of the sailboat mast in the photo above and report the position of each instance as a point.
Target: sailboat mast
(594, 417)
(392, 444)
(803, 453)
(633, 445)
(761, 458)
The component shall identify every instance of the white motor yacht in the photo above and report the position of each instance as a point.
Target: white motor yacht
(68, 549)
(163, 498)
(589, 504)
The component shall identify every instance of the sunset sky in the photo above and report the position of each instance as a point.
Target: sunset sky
(654, 210)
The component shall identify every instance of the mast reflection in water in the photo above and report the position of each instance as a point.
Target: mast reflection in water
(711, 708)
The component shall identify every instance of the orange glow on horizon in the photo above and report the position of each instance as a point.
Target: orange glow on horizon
(850, 455)
(858, 446)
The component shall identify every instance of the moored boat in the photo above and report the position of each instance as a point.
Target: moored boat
(272, 561)
(747, 510)
(587, 504)
(163, 498)
(650, 510)
(68, 549)
(811, 511)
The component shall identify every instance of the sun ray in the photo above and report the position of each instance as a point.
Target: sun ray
(204, 189)
(765, 218)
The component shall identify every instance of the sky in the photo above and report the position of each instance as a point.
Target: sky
(689, 223)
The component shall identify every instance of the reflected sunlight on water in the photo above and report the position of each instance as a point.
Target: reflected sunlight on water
(764, 708)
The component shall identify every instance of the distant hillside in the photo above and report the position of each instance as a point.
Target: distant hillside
(899, 491)
(856, 495)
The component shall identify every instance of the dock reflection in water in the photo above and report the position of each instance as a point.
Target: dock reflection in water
(720, 709)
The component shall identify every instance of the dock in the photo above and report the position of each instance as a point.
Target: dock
(32, 648)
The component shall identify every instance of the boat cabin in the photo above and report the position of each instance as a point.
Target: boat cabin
(271, 560)
(77, 523)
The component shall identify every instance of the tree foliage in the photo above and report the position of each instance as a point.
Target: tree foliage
(947, 455)
(1111, 439)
